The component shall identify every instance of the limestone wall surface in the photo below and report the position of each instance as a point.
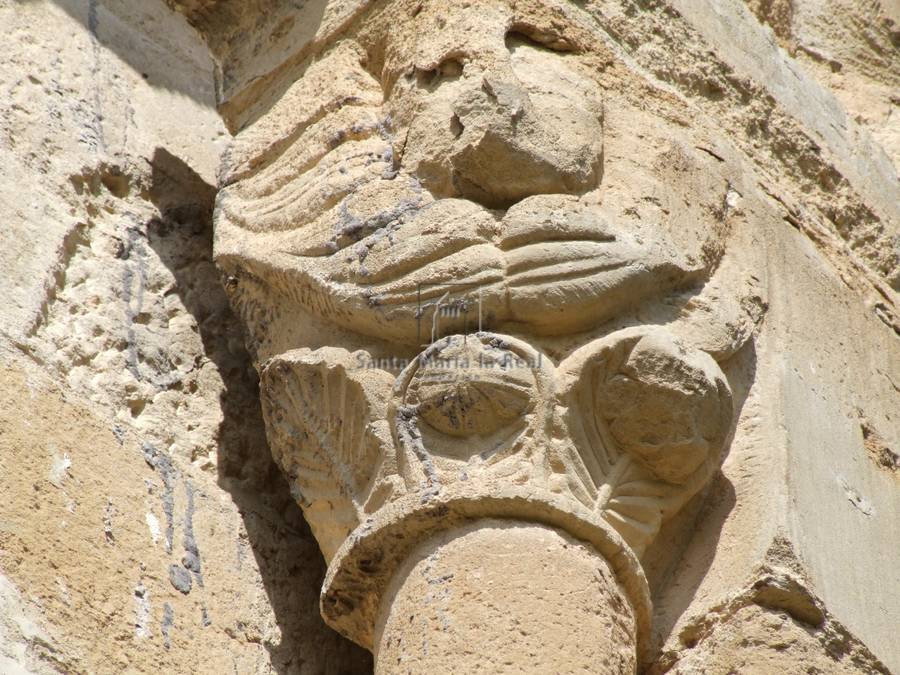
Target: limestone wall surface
(142, 525)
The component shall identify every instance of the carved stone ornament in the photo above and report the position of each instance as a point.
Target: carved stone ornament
(488, 276)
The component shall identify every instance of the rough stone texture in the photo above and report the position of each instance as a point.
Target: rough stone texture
(132, 453)
(853, 48)
(253, 41)
(90, 531)
(684, 225)
(754, 639)
(775, 622)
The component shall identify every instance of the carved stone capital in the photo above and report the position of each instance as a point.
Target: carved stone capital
(478, 295)
(603, 447)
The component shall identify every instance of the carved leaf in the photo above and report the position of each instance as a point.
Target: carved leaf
(648, 420)
(325, 420)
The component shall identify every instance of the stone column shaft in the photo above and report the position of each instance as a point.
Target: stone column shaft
(501, 596)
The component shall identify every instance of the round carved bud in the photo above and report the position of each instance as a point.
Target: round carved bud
(667, 406)
(468, 389)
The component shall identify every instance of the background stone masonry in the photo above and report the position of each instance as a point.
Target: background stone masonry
(143, 525)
